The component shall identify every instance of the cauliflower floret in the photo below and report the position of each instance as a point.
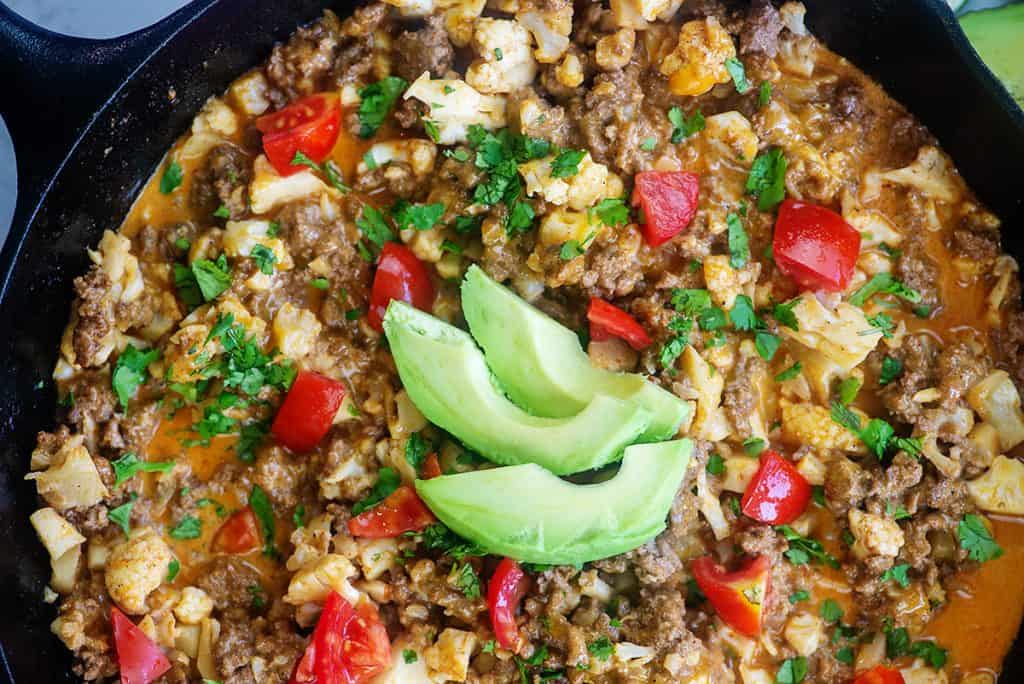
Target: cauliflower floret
(698, 62)
(804, 632)
(269, 190)
(812, 468)
(579, 191)
(725, 282)
(419, 154)
(709, 421)
(206, 662)
(71, 480)
(194, 605)
(614, 51)
(843, 335)
(996, 400)
(404, 670)
(874, 535)
(214, 124)
(792, 14)
(135, 568)
(550, 30)
(241, 237)
(636, 14)
(121, 267)
(250, 93)
(504, 61)
(1001, 488)
(732, 136)
(812, 425)
(57, 534)
(1005, 270)
(376, 556)
(562, 225)
(413, 8)
(295, 331)
(739, 471)
(932, 174)
(570, 72)
(454, 107)
(459, 18)
(314, 582)
(448, 658)
(873, 226)
(919, 673)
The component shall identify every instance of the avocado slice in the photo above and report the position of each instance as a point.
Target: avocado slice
(541, 365)
(446, 377)
(528, 514)
(998, 36)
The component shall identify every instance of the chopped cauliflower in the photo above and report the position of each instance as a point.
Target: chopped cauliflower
(57, 534)
(725, 282)
(812, 425)
(241, 237)
(71, 480)
(376, 556)
(739, 471)
(314, 582)
(996, 400)
(709, 421)
(636, 14)
(561, 225)
(413, 8)
(580, 191)
(504, 61)
(732, 136)
(135, 568)
(454, 107)
(295, 331)
(216, 123)
(120, 266)
(614, 51)
(404, 670)
(698, 62)
(570, 71)
(932, 174)
(448, 658)
(1001, 488)
(550, 30)
(194, 605)
(418, 153)
(843, 335)
(874, 535)
(250, 93)
(269, 189)
(459, 19)
(804, 632)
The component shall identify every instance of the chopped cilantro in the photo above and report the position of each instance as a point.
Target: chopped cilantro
(601, 648)
(792, 671)
(897, 574)
(877, 435)
(498, 54)
(845, 655)
(739, 243)
(409, 656)
(264, 258)
(250, 437)
(173, 568)
(798, 596)
(299, 516)
(468, 224)
(670, 351)
(465, 579)
(767, 179)
(451, 247)
(437, 537)
(892, 368)
(259, 596)
(976, 539)
(884, 283)
(738, 74)
(648, 144)
(930, 652)
(370, 160)
(187, 287)
(754, 446)
(790, 373)
(432, 130)
(128, 465)
(683, 127)
(260, 505)
(690, 301)
(830, 611)
(188, 527)
(377, 99)
(742, 314)
(320, 283)
(570, 250)
(489, 646)
(566, 164)
(418, 216)
(783, 313)
(848, 389)
(218, 507)
(387, 482)
(818, 495)
(374, 227)
(130, 372)
(171, 177)
(221, 212)
(715, 465)
(712, 318)
(122, 515)
(520, 218)
(416, 449)
(764, 94)
(880, 323)
(212, 277)
(612, 212)
(803, 550)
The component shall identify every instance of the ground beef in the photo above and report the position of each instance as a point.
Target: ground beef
(223, 180)
(229, 581)
(846, 485)
(762, 540)
(396, 178)
(236, 646)
(93, 401)
(283, 477)
(613, 266)
(761, 29)
(850, 104)
(84, 628)
(95, 310)
(300, 66)
(355, 61)
(918, 353)
(740, 398)
(425, 50)
(307, 231)
(608, 121)
(960, 366)
(658, 620)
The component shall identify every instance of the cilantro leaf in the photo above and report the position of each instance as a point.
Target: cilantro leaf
(670, 351)
(766, 344)
(976, 539)
(377, 99)
(798, 596)
(792, 671)
(897, 574)
(880, 323)
(712, 318)
(466, 580)
(566, 164)
(122, 516)
(690, 301)
(519, 219)
(764, 94)
(715, 465)
(612, 212)
(830, 611)
(264, 258)
(187, 287)
(790, 373)
(892, 368)
(930, 652)
(570, 250)
(374, 227)
(212, 277)
(416, 449)
(387, 482)
(783, 313)
(738, 74)
(260, 505)
(683, 127)
(742, 314)
(171, 178)
(601, 648)
(804, 550)
(767, 179)
(188, 527)
(409, 656)
(848, 390)
(884, 283)
(128, 465)
(130, 372)
(173, 568)
(739, 243)
(418, 216)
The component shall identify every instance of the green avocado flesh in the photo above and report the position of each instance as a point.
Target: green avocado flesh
(526, 513)
(446, 377)
(998, 36)
(542, 367)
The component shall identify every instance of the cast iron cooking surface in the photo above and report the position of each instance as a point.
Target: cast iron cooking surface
(912, 46)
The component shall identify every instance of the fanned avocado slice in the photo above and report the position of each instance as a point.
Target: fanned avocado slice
(998, 36)
(446, 377)
(542, 366)
(528, 514)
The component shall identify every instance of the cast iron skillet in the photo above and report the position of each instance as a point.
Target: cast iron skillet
(90, 120)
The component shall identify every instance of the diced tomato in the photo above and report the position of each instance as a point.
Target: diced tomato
(239, 534)
(778, 494)
(402, 511)
(140, 660)
(505, 591)
(400, 275)
(431, 467)
(815, 246)
(668, 200)
(348, 646)
(880, 674)
(307, 412)
(608, 320)
(310, 126)
(738, 596)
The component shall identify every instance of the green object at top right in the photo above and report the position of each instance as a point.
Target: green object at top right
(998, 36)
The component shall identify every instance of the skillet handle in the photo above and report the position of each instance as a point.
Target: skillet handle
(54, 84)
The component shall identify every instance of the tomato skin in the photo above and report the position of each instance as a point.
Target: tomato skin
(778, 493)
(608, 320)
(402, 511)
(140, 660)
(308, 410)
(349, 645)
(879, 674)
(400, 275)
(431, 467)
(239, 534)
(730, 593)
(505, 591)
(669, 202)
(310, 125)
(814, 246)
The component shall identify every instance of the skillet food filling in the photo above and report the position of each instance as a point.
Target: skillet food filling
(536, 342)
